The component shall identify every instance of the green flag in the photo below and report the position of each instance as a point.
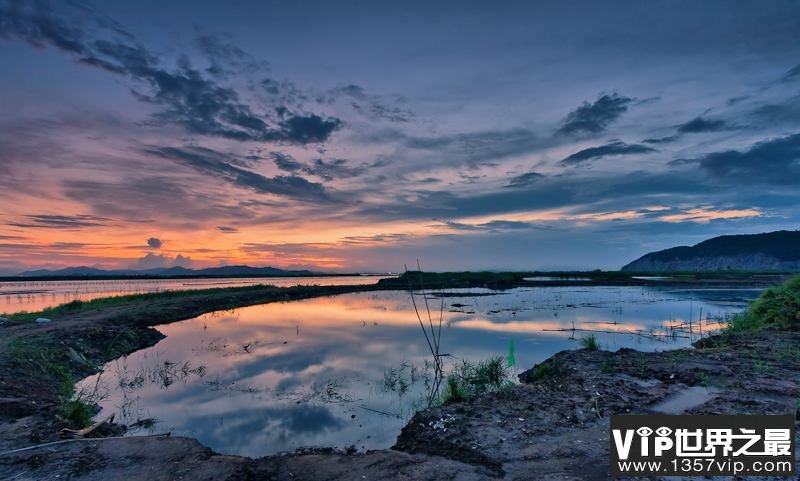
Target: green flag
(512, 362)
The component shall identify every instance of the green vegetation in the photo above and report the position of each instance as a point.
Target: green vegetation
(590, 342)
(43, 358)
(642, 365)
(495, 280)
(441, 280)
(677, 357)
(468, 380)
(507, 280)
(778, 307)
(79, 411)
(400, 379)
(544, 370)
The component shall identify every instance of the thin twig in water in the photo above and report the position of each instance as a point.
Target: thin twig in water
(379, 412)
(433, 338)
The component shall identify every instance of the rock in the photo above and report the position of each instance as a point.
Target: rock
(42, 320)
(3, 320)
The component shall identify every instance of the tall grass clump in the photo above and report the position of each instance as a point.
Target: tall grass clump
(778, 307)
(590, 342)
(468, 380)
(79, 411)
(464, 380)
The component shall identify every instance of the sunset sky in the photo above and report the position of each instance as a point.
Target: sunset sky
(360, 136)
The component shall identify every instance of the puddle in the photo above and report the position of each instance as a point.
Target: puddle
(684, 400)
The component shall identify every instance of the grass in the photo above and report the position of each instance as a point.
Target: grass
(441, 280)
(707, 381)
(590, 342)
(641, 364)
(468, 380)
(400, 379)
(763, 366)
(79, 411)
(41, 357)
(497, 280)
(777, 307)
(544, 370)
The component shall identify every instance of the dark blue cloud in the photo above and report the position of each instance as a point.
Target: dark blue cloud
(491, 226)
(774, 114)
(305, 129)
(217, 164)
(774, 161)
(593, 118)
(334, 169)
(198, 103)
(285, 162)
(226, 58)
(699, 124)
(370, 105)
(616, 147)
(661, 140)
(326, 170)
(793, 73)
(524, 180)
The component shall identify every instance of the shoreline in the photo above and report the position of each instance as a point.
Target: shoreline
(430, 281)
(474, 447)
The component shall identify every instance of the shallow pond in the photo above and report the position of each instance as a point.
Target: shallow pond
(351, 369)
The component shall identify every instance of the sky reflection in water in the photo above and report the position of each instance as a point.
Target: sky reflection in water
(271, 378)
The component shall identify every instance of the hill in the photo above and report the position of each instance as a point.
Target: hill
(772, 251)
(224, 271)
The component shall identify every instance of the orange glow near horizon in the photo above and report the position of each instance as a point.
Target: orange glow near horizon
(327, 245)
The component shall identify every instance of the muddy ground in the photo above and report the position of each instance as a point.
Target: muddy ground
(552, 425)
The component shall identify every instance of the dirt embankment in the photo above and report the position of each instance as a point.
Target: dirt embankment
(553, 425)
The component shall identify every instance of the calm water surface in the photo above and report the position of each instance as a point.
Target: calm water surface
(350, 369)
(33, 295)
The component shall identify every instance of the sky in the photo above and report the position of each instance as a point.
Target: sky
(350, 136)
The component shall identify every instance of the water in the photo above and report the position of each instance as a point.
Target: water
(33, 295)
(328, 371)
(684, 400)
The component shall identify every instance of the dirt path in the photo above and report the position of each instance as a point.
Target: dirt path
(553, 425)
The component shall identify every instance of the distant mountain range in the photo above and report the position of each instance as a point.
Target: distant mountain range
(84, 271)
(772, 251)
